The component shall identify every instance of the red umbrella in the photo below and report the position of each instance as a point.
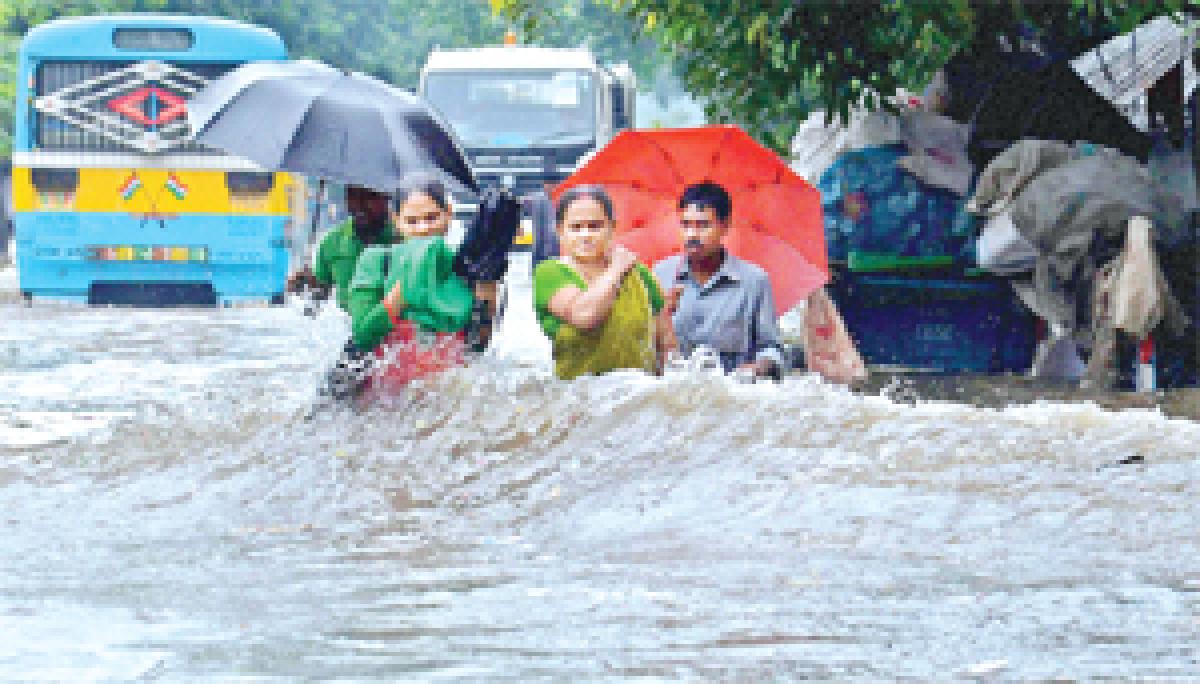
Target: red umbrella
(776, 220)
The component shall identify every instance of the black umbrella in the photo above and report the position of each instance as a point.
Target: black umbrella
(310, 118)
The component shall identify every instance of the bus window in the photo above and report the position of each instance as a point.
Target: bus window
(176, 40)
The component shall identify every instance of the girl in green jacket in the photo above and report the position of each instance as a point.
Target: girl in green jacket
(406, 302)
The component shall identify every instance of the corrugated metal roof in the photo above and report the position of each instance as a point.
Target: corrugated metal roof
(1122, 69)
(516, 57)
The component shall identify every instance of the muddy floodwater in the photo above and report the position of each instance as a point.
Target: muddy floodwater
(169, 511)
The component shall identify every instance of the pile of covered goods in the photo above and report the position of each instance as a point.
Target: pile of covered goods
(998, 227)
(1079, 229)
(901, 244)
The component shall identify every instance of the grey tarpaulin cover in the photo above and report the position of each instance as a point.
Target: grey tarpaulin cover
(1008, 174)
(1065, 210)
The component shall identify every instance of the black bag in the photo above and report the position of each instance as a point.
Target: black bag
(349, 375)
(483, 255)
(545, 239)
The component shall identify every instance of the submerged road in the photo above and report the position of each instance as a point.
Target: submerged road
(168, 513)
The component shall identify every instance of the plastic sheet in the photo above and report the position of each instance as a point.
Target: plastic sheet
(871, 204)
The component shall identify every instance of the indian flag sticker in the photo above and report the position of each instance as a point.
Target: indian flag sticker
(130, 187)
(176, 186)
(56, 200)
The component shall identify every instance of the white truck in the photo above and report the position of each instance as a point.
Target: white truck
(528, 116)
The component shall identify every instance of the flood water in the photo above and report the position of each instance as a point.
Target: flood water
(167, 512)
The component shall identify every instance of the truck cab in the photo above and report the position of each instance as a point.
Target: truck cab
(527, 116)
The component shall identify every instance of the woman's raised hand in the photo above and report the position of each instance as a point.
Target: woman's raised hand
(622, 259)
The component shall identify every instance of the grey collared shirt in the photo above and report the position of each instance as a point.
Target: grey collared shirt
(734, 312)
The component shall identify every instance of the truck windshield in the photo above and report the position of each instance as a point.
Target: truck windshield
(515, 108)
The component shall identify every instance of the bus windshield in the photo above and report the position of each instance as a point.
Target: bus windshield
(515, 108)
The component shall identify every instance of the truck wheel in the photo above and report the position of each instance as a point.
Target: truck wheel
(278, 299)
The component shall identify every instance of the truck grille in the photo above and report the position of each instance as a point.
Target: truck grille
(526, 183)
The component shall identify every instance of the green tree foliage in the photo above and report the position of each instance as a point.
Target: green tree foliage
(8, 86)
(386, 38)
(766, 63)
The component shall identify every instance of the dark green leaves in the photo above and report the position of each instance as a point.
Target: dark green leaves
(766, 63)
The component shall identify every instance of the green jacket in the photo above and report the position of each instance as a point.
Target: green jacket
(336, 256)
(435, 298)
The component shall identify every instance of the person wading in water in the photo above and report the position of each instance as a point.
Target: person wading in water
(333, 266)
(715, 299)
(411, 310)
(601, 309)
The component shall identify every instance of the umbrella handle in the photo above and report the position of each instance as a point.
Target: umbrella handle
(313, 306)
(315, 224)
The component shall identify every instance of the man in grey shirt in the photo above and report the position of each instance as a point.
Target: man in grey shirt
(716, 299)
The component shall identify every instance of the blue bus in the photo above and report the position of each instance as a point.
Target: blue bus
(112, 201)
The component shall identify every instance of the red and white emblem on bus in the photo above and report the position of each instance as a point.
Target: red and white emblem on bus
(142, 106)
(151, 106)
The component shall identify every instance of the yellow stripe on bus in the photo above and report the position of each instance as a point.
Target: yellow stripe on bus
(101, 190)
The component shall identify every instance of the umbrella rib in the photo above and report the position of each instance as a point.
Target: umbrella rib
(721, 145)
(417, 157)
(666, 157)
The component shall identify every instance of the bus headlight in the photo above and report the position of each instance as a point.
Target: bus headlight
(55, 180)
(249, 182)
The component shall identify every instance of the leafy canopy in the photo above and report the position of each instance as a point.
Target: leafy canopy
(767, 63)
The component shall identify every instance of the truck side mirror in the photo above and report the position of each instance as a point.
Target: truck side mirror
(620, 110)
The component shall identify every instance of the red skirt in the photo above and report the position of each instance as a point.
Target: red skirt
(409, 353)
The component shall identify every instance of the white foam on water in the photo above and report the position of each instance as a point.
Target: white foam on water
(28, 429)
(518, 337)
(69, 642)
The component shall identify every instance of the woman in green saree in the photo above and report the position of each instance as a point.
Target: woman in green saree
(601, 309)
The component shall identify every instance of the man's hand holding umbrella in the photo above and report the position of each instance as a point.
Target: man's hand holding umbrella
(304, 280)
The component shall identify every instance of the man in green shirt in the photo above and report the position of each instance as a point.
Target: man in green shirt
(333, 266)
(337, 253)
